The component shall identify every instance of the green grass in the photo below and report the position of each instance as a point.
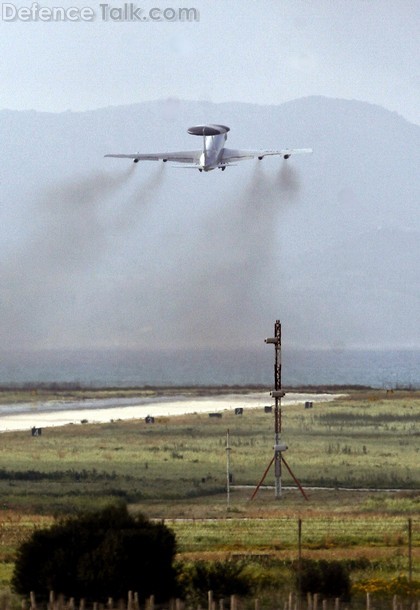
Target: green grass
(348, 443)
(176, 469)
(6, 571)
(280, 534)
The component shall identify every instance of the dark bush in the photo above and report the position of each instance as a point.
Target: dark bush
(223, 578)
(98, 555)
(329, 578)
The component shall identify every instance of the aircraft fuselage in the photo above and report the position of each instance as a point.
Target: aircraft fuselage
(212, 155)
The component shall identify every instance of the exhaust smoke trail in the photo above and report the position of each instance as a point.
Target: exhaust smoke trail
(231, 281)
(137, 202)
(42, 283)
(288, 180)
(92, 274)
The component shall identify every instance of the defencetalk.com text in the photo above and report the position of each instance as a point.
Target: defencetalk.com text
(127, 12)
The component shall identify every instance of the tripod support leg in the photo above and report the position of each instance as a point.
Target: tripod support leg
(262, 479)
(302, 491)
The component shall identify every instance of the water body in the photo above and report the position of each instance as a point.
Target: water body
(124, 368)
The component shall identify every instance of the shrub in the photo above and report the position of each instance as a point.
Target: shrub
(385, 587)
(223, 578)
(329, 578)
(98, 555)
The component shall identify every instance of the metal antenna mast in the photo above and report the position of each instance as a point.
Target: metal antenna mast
(277, 394)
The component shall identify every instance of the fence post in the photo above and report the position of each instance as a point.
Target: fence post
(309, 601)
(33, 600)
(337, 603)
(315, 602)
(367, 601)
(210, 600)
(233, 602)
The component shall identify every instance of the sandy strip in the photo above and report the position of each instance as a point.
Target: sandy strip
(42, 416)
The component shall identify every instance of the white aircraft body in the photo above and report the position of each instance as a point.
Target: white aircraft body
(213, 154)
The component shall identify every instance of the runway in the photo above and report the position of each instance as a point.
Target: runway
(47, 414)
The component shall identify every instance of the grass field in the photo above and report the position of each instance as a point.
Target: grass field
(368, 441)
(175, 469)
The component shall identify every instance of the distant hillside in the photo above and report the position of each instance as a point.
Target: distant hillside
(367, 286)
(100, 253)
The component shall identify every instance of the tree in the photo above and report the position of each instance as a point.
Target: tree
(98, 555)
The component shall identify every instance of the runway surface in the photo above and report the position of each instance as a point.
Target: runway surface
(24, 416)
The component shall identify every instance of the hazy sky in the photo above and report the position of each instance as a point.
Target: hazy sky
(259, 51)
(66, 258)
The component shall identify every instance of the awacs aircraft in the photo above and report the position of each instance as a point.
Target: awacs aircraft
(213, 154)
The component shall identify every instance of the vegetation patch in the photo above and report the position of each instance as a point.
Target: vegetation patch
(175, 470)
(384, 587)
(98, 555)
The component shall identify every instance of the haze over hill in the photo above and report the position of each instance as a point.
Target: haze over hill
(103, 253)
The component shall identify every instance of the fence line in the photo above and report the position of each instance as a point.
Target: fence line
(335, 531)
(291, 602)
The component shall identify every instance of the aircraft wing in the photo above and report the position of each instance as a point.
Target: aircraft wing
(191, 156)
(230, 154)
